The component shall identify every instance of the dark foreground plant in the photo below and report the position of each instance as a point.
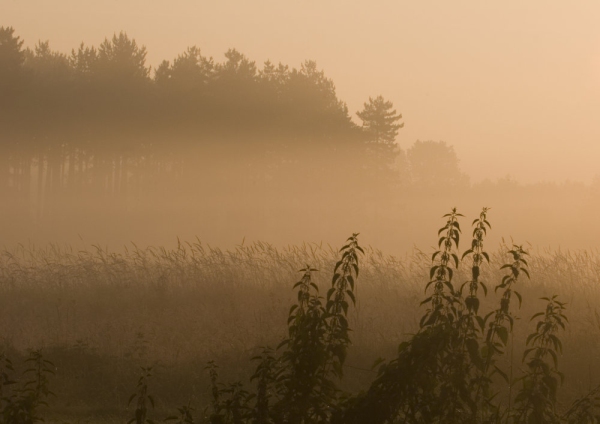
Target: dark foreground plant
(184, 416)
(536, 401)
(142, 398)
(446, 372)
(430, 380)
(299, 384)
(21, 405)
(585, 410)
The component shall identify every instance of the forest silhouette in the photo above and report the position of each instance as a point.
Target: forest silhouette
(98, 122)
(99, 136)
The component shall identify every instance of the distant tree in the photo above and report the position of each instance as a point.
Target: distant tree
(162, 74)
(237, 66)
(234, 90)
(380, 120)
(433, 165)
(274, 80)
(313, 103)
(84, 60)
(316, 86)
(12, 57)
(380, 125)
(50, 68)
(51, 97)
(190, 71)
(121, 60)
(12, 83)
(277, 75)
(11, 49)
(94, 123)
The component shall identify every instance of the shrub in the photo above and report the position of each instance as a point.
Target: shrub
(447, 372)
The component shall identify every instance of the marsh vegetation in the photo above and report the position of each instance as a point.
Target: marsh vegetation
(100, 317)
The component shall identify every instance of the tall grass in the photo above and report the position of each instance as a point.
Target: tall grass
(99, 315)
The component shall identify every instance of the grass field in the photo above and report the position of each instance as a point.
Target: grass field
(99, 316)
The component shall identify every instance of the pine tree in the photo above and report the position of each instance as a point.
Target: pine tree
(380, 124)
(380, 120)
(12, 57)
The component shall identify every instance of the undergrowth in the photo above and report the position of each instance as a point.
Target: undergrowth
(453, 369)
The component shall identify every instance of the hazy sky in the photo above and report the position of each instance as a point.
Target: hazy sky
(514, 86)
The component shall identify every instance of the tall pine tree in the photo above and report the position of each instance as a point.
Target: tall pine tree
(380, 124)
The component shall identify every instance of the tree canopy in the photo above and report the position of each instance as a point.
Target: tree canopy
(380, 120)
(100, 123)
(12, 57)
(435, 165)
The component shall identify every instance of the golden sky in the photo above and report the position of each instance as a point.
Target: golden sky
(514, 86)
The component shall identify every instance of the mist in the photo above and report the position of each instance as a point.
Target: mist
(166, 170)
(100, 148)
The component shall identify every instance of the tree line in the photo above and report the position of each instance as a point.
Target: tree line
(100, 122)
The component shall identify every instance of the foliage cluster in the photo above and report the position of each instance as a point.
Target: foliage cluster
(447, 371)
(21, 403)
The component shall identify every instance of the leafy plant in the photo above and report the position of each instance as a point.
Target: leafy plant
(265, 377)
(429, 380)
(142, 398)
(441, 374)
(6, 369)
(536, 401)
(342, 289)
(215, 416)
(22, 406)
(585, 410)
(184, 415)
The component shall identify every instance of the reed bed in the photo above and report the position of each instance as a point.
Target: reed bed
(100, 314)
